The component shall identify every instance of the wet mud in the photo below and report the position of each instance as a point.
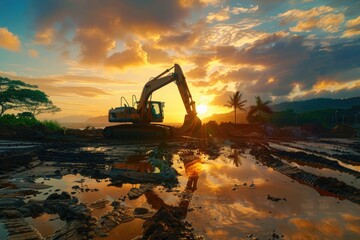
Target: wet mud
(183, 189)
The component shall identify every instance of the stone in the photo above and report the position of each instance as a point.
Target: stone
(53, 196)
(101, 203)
(11, 214)
(35, 209)
(65, 195)
(140, 211)
(115, 203)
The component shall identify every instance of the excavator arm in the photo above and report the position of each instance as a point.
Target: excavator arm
(191, 120)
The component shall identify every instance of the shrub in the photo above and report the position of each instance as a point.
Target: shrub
(29, 121)
(19, 120)
(53, 126)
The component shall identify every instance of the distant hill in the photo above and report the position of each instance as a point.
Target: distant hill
(99, 119)
(316, 104)
(73, 119)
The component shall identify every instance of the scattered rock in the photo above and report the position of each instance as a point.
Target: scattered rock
(19, 228)
(275, 199)
(112, 219)
(10, 214)
(134, 193)
(9, 203)
(140, 211)
(101, 203)
(168, 223)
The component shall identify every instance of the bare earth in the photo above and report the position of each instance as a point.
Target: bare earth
(186, 188)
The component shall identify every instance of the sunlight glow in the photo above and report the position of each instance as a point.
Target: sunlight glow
(201, 109)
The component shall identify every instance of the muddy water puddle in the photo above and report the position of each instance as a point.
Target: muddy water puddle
(231, 196)
(235, 203)
(46, 224)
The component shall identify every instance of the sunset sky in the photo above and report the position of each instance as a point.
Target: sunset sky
(87, 54)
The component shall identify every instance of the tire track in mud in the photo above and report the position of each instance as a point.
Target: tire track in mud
(355, 146)
(344, 158)
(312, 160)
(327, 186)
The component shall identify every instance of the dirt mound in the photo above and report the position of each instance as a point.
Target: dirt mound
(343, 131)
(225, 130)
(167, 223)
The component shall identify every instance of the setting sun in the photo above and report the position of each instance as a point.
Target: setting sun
(201, 109)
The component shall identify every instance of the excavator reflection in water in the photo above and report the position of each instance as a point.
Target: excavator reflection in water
(193, 168)
(147, 111)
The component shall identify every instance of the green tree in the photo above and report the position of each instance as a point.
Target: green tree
(17, 95)
(236, 103)
(260, 112)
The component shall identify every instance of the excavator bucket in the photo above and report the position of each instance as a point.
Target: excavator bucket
(191, 125)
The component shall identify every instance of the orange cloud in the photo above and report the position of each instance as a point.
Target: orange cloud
(94, 45)
(45, 36)
(237, 10)
(296, 14)
(353, 27)
(225, 13)
(57, 85)
(328, 23)
(194, 3)
(319, 17)
(353, 22)
(237, 34)
(221, 97)
(156, 56)
(197, 73)
(102, 25)
(134, 55)
(33, 53)
(179, 41)
(80, 90)
(219, 16)
(8, 40)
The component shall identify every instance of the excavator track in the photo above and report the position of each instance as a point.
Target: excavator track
(138, 131)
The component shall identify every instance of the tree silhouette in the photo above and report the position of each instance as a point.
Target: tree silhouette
(236, 103)
(259, 112)
(17, 95)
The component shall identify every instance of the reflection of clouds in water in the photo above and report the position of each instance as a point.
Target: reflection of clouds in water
(230, 213)
(352, 223)
(307, 229)
(354, 227)
(44, 225)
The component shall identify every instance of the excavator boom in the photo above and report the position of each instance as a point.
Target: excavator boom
(144, 113)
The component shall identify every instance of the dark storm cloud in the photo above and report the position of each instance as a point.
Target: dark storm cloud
(98, 24)
(351, 7)
(342, 93)
(286, 61)
(109, 14)
(245, 74)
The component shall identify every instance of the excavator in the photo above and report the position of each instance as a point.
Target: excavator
(144, 112)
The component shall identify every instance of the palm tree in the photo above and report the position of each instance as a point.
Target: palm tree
(236, 103)
(257, 111)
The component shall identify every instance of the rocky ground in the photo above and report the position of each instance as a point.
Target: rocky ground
(150, 170)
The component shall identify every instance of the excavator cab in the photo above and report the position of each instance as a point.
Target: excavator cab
(125, 113)
(156, 113)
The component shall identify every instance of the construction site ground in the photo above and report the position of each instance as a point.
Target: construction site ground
(82, 186)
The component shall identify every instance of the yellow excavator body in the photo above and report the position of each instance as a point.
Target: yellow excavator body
(144, 112)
